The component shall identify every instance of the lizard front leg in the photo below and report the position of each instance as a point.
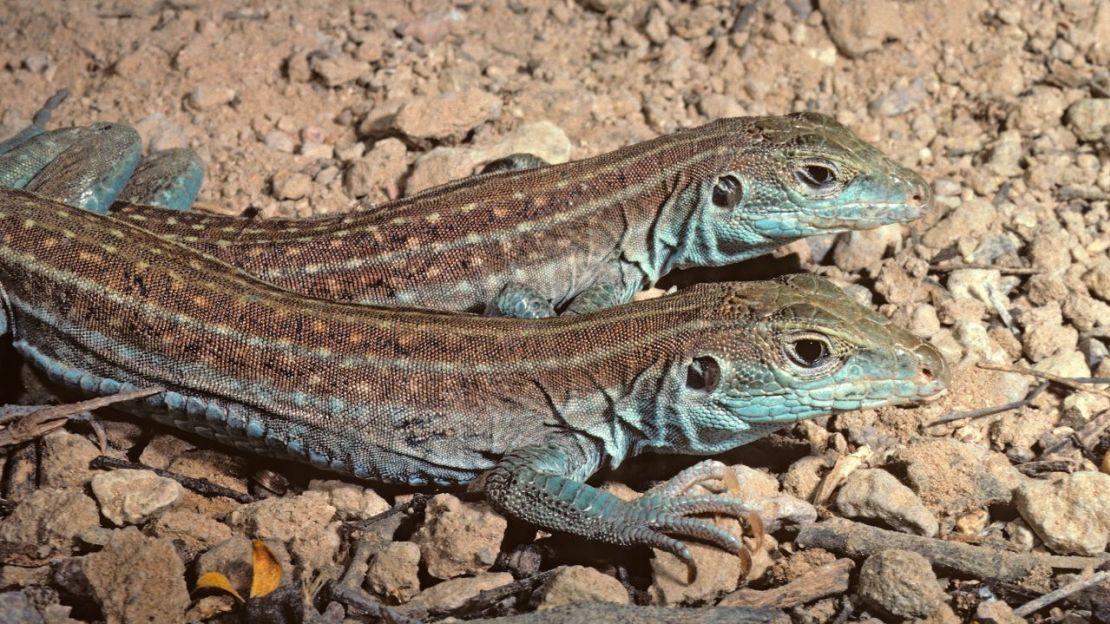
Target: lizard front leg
(542, 484)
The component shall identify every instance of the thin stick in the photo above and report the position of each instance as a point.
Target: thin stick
(990, 411)
(944, 268)
(43, 420)
(1073, 383)
(1033, 606)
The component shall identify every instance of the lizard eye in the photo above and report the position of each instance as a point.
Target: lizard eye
(808, 351)
(816, 176)
(728, 192)
(704, 373)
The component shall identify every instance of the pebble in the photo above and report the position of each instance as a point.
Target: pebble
(338, 70)
(50, 517)
(192, 532)
(718, 571)
(459, 538)
(132, 496)
(1071, 514)
(542, 139)
(861, 26)
(36, 63)
(875, 494)
(1088, 118)
(377, 175)
(394, 574)
(205, 97)
(16, 607)
(278, 140)
(576, 584)
(351, 501)
(446, 116)
(900, 583)
(291, 185)
(953, 477)
(453, 593)
(305, 522)
(136, 578)
(65, 460)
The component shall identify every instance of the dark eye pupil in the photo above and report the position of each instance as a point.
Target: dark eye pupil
(727, 192)
(704, 373)
(816, 175)
(810, 353)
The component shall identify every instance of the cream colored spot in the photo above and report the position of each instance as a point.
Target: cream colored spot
(200, 301)
(28, 223)
(85, 256)
(468, 207)
(319, 326)
(111, 249)
(50, 243)
(68, 234)
(412, 242)
(433, 218)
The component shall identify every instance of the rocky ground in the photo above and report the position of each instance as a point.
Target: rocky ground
(310, 107)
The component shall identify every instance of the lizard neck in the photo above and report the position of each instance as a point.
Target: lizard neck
(686, 232)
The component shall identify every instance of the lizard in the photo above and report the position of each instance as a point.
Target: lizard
(90, 167)
(528, 409)
(572, 237)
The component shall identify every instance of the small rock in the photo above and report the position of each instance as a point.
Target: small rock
(36, 63)
(16, 607)
(876, 494)
(291, 185)
(430, 28)
(1088, 118)
(953, 477)
(1071, 515)
(50, 517)
(900, 583)
(204, 97)
(575, 584)
(131, 496)
(804, 475)
(192, 532)
(394, 574)
(377, 175)
(1064, 364)
(718, 572)
(858, 250)
(1046, 334)
(451, 115)
(1005, 155)
(305, 522)
(996, 612)
(755, 484)
(317, 151)
(137, 579)
(65, 460)
(159, 133)
(163, 448)
(453, 593)
(459, 538)
(858, 27)
(542, 139)
(900, 100)
(278, 140)
(338, 70)
(351, 502)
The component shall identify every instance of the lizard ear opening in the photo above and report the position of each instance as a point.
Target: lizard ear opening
(704, 373)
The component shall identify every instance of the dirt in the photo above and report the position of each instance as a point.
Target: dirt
(1003, 106)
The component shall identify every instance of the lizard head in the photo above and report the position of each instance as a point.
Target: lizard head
(781, 178)
(784, 351)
